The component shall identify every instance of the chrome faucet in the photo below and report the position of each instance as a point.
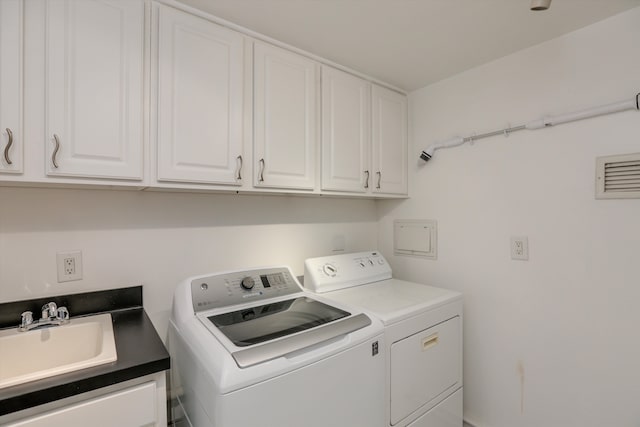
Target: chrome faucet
(49, 310)
(52, 315)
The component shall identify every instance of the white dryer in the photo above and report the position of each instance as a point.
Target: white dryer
(253, 348)
(423, 335)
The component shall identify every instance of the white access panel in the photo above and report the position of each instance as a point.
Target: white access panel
(415, 238)
(423, 366)
(448, 413)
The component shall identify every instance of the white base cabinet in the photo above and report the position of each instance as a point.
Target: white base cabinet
(141, 405)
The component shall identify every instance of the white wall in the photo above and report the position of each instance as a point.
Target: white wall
(555, 341)
(157, 239)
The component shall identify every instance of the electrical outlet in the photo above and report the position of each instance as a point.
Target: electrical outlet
(520, 248)
(69, 266)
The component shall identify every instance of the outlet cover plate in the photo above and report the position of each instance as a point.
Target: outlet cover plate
(69, 266)
(520, 248)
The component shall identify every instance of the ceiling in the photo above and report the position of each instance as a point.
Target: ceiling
(411, 43)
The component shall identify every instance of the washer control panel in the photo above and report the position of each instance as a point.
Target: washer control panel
(335, 272)
(226, 289)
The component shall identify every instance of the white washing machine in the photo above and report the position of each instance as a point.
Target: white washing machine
(252, 347)
(423, 335)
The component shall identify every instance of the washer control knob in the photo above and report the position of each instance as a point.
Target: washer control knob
(247, 283)
(329, 270)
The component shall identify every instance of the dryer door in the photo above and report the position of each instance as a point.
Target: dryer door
(424, 366)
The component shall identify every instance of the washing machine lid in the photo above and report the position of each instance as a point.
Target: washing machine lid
(255, 325)
(263, 313)
(284, 332)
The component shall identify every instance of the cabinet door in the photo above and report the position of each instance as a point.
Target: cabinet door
(94, 88)
(200, 94)
(285, 97)
(346, 124)
(11, 146)
(389, 135)
(134, 407)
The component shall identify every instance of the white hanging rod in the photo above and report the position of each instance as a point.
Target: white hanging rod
(547, 121)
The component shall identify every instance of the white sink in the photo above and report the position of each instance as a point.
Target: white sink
(40, 353)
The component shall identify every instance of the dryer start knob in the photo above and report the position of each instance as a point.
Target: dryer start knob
(248, 283)
(330, 270)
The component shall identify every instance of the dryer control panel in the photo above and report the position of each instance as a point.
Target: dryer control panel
(239, 287)
(335, 272)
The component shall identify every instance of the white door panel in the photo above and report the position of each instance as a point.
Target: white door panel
(94, 90)
(200, 93)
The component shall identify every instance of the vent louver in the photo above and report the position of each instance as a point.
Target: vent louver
(618, 177)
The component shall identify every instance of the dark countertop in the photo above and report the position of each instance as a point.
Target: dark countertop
(140, 352)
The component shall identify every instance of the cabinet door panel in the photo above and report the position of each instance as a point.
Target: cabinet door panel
(285, 96)
(200, 92)
(11, 146)
(94, 90)
(389, 141)
(346, 111)
(135, 407)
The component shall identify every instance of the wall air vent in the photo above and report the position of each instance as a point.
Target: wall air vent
(618, 177)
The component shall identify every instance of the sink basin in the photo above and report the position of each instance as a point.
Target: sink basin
(40, 353)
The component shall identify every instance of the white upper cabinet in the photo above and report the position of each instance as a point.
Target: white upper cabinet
(390, 141)
(151, 94)
(11, 146)
(199, 122)
(285, 118)
(94, 88)
(346, 132)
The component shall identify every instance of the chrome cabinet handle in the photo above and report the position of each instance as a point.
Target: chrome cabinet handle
(239, 170)
(379, 179)
(55, 151)
(8, 147)
(261, 179)
(366, 182)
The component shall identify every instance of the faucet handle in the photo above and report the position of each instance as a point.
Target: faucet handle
(62, 314)
(49, 310)
(26, 320)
